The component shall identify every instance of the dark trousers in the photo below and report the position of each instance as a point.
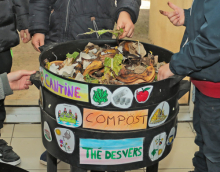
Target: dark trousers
(206, 122)
(5, 66)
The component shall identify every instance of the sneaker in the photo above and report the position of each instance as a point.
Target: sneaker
(43, 158)
(7, 155)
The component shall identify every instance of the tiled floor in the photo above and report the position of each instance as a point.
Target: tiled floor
(26, 142)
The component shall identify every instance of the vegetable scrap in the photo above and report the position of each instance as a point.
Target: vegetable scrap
(126, 64)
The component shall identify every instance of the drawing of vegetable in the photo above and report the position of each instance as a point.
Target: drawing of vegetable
(118, 97)
(142, 96)
(100, 96)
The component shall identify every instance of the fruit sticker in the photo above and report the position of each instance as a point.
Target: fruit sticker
(171, 136)
(157, 146)
(68, 115)
(100, 96)
(65, 139)
(47, 133)
(122, 97)
(159, 115)
(142, 94)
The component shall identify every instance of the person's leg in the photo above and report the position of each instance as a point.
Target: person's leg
(7, 155)
(5, 66)
(5, 61)
(199, 160)
(43, 158)
(210, 128)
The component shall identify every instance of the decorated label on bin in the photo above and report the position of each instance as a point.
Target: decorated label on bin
(159, 115)
(68, 115)
(142, 94)
(68, 89)
(157, 146)
(171, 136)
(111, 152)
(122, 98)
(47, 133)
(115, 120)
(100, 96)
(65, 139)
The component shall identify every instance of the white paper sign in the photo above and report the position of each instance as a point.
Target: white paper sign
(47, 133)
(122, 98)
(142, 94)
(171, 136)
(159, 115)
(157, 146)
(68, 115)
(65, 139)
(100, 96)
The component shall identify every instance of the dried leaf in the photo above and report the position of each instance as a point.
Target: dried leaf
(137, 48)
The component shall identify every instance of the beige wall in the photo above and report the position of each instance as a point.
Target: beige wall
(161, 31)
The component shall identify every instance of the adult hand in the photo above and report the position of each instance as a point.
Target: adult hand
(20, 80)
(38, 40)
(176, 17)
(25, 36)
(125, 22)
(164, 72)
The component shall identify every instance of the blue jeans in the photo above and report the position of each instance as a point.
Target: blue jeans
(206, 122)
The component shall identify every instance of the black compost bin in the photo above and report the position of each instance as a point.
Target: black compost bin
(122, 133)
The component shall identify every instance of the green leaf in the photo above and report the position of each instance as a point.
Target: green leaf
(74, 55)
(117, 60)
(89, 79)
(146, 89)
(154, 152)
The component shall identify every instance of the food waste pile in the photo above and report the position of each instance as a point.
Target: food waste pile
(126, 64)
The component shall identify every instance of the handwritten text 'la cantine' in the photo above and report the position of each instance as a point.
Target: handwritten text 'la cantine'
(64, 89)
(127, 153)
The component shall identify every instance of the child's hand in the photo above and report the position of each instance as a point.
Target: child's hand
(38, 41)
(164, 72)
(20, 80)
(25, 36)
(177, 17)
(125, 22)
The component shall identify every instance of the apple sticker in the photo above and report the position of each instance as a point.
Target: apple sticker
(142, 94)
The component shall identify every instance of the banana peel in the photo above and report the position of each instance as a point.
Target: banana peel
(148, 76)
(93, 66)
(110, 55)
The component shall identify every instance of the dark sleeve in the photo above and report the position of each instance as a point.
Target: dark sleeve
(204, 50)
(39, 14)
(21, 10)
(130, 6)
(187, 16)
